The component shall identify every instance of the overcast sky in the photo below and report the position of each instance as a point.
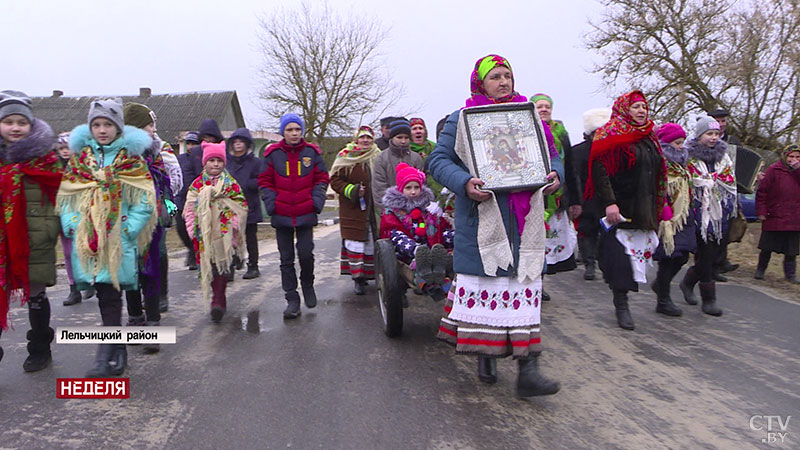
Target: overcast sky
(88, 47)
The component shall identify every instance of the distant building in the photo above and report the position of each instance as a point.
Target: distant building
(177, 113)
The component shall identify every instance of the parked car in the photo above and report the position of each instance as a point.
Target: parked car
(748, 204)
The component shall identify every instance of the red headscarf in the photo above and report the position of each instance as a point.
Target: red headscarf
(617, 137)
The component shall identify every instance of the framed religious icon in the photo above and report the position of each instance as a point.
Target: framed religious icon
(508, 146)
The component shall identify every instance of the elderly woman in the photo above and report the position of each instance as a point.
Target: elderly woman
(351, 179)
(493, 308)
(627, 174)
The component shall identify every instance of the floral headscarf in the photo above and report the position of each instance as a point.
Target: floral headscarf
(789, 149)
(482, 67)
(352, 155)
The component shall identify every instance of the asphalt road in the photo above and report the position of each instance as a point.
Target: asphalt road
(332, 380)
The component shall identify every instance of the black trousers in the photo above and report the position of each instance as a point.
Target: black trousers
(705, 257)
(305, 253)
(180, 225)
(110, 301)
(251, 239)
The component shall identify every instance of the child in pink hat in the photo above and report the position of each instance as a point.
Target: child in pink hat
(419, 235)
(215, 211)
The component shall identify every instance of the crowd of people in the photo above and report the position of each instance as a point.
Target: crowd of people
(631, 193)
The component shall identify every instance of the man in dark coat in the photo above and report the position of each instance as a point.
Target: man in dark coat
(586, 212)
(722, 264)
(383, 141)
(245, 168)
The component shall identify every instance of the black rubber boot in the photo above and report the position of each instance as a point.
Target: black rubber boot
(545, 296)
(687, 286)
(191, 260)
(292, 310)
(708, 293)
(151, 348)
(40, 335)
(74, 296)
(624, 319)
(530, 382)
(252, 272)
(790, 270)
(101, 369)
(119, 359)
(487, 369)
(588, 273)
(89, 293)
(358, 286)
(309, 296)
(163, 303)
(660, 286)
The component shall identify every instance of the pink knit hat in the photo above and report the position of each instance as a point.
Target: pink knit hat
(669, 131)
(406, 173)
(213, 151)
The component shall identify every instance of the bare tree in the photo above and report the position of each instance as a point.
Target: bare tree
(326, 67)
(690, 56)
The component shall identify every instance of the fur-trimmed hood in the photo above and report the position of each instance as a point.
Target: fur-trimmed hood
(39, 142)
(394, 199)
(706, 154)
(133, 139)
(675, 154)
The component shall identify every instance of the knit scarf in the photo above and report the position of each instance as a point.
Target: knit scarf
(423, 149)
(46, 172)
(494, 244)
(678, 195)
(219, 199)
(352, 155)
(559, 132)
(479, 96)
(97, 194)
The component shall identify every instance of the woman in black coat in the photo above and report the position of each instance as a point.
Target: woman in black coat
(244, 166)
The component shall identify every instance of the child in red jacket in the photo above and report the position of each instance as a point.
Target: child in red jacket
(293, 185)
(420, 237)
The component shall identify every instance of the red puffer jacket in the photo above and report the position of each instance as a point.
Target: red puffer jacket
(778, 198)
(293, 183)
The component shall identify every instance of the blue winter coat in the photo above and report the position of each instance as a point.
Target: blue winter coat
(448, 169)
(133, 217)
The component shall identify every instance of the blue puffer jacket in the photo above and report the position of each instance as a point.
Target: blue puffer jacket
(133, 217)
(448, 169)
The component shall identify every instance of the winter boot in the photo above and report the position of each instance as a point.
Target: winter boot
(660, 286)
(238, 263)
(790, 270)
(135, 321)
(191, 260)
(624, 319)
(687, 286)
(40, 335)
(358, 286)
(163, 303)
(101, 368)
(545, 296)
(119, 359)
(424, 260)
(487, 369)
(309, 296)
(252, 272)
(151, 348)
(89, 293)
(439, 257)
(292, 310)
(530, 382)
(74, 296)
(219, 302)
(588, 273)
(231, 273)
(708, 293)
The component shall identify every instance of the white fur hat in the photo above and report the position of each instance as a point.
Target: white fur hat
(595, 118)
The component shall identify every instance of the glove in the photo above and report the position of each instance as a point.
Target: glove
(172, 209)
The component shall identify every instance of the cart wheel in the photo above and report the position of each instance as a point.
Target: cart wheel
(390, 290)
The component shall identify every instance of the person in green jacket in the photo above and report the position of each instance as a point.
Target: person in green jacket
(30, 173)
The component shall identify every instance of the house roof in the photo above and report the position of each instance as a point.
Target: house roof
(175, 112)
